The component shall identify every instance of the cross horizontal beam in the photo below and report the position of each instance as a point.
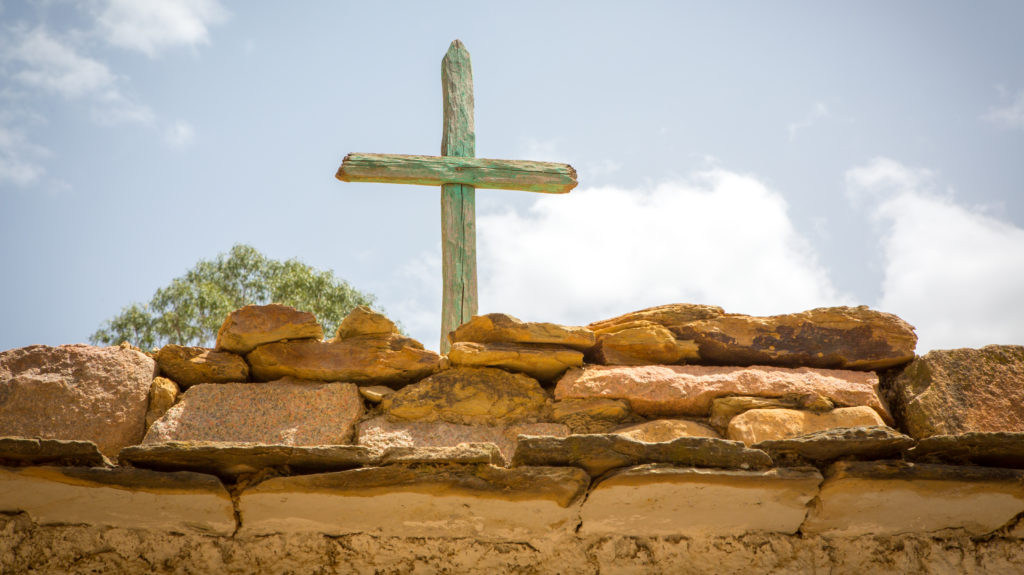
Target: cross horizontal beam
(545, 177)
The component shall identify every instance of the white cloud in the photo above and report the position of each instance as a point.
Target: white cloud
(720, 238)
(954, 272)
(153, 25)
(1009, 116)
(19, 158)
(819, 111)
(179, 134)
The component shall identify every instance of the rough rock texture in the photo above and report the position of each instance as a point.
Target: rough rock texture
(25, 451)
(758, 425)
(502, 328)
(380, 434)
(80, 392)
(956, 391)
(254, 325)
(375, 393)
(470, 395)
(596, 415)
(393, 360)
(363, 321)
(539, 361)
(121, 497)
(79, 549)
(191, 365)
(463, 453)
(830, 444)
(231, 460)
(891, 497)
(284, 412)
(162, 395)
(666, 430)
(724, 409)
(653, 500)
(834, 337)
(482, 501)
(668, 390)
(641, 343)
(995, 449)
(670, 315)
(599, 453)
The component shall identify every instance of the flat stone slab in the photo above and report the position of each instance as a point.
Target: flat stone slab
(283, 412)
(380, 434)
(539, 361)
(997, 449)
(664, 500)
(479, 501)
(119, 497)
(503, 328)
(891, 497)
(191, 365)
(229, 460)
(463, 453)
(688, 390)
(956, 391)
(25, 451)
(253, 325)
(757, 425)
(599, 453)
(847, 442)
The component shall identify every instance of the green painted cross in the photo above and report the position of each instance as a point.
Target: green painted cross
(458, 173)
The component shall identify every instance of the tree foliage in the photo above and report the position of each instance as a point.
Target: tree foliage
(192, 308)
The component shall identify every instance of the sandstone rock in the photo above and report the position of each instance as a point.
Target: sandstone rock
(380, 434)
(888, 497)
(393, 360)
(231, 460)
(463, 453)
(599, 453)
(375, 393)
(76, 392)
(470, 395)
(671, 390)
(843, 442)
(643, 343)
(162, 395)
(759, 425)
(539, 361)
(591, 415)
(667, 315)
(255, 325)
(24, 451)
(956, 391)
(661, 500)
(835, 337)
(502, 328)
(284, 412)
(479, 501)
(724, 409)
(994, 449)
(362, 321)
(191, 365)
(660, 430)
(119, 497)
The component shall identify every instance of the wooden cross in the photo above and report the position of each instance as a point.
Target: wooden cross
(458, 173)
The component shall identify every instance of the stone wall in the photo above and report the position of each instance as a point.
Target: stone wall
(676, 439)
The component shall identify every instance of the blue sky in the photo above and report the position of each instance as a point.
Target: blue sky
(766, 157)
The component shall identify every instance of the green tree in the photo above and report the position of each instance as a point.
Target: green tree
(192, 308)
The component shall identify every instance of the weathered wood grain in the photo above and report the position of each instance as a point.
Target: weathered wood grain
(544, 177)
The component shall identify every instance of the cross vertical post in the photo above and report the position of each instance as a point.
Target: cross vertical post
(458, 201)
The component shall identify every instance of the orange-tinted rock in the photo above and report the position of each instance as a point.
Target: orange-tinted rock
(950, 392)
(76, 392)
(191, 365)
(662, 430)
(254, 325)
(542, 362)
(667, 315)
(688, 390)
(503, 328)
(162, 395)
(835, 337)
(393, 360)
(364, 321)
(757, 425)
(641, 343)
(285, 412)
